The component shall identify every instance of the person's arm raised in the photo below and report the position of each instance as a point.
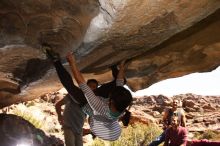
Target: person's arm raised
(95, 102)
(76, 73)
(121, 73)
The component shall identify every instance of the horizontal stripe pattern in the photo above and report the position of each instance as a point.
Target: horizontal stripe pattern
(101, 123)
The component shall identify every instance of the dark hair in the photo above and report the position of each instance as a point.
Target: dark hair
(126, 118)
(121, 98)
(92, 81)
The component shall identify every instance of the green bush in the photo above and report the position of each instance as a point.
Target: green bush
(135, 135)
(209, 134)
(196, 135)
(29, 117)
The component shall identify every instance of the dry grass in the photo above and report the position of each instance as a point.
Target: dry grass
(135, 135)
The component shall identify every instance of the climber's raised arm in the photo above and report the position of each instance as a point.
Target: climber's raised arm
(121, 74)
(95, 102)
(76, 73)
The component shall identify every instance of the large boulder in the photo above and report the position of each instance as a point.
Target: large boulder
(17, 131)
(160, 39)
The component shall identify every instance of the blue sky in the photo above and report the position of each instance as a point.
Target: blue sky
(196, 83)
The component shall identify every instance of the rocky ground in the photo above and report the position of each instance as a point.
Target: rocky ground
(202, 112)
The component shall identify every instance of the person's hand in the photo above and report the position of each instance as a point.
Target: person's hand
(123, 65)
(70, 57)
(86, 131)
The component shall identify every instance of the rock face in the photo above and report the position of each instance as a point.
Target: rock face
(161, 39)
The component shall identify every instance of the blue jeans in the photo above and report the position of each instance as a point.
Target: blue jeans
(158, 140)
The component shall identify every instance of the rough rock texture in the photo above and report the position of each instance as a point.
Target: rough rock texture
(162, 39)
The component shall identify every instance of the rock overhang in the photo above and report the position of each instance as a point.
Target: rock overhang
(161, 40)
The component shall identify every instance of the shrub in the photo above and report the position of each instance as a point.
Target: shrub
(29, 117)
(209, 134)
(138, 134)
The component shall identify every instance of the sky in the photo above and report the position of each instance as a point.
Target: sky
(196, 83)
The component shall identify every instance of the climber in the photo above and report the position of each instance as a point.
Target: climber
(104, 114)
(176, 135)
(168, 113)
(65, 78)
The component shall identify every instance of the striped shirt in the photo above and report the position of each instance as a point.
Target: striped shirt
(102, 124)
